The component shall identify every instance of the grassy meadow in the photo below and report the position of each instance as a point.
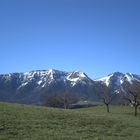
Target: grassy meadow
(22, 122)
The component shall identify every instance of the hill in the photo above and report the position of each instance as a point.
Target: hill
(20, 122)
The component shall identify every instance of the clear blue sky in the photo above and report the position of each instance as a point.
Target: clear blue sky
(95, 36)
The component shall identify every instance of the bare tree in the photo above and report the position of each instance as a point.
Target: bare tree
(61, 100)
(68, 99)
(54, 100)
(133, 95)
(106, 96)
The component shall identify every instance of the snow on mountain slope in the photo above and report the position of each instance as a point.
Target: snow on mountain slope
(131, 77)
(43, 78)
(32, 87)
(118, 79)
(46, 77)
(76, 77)
(105, 79)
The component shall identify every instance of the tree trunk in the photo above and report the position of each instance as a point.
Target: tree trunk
(65, 106)
(136, 110)
(107, 108)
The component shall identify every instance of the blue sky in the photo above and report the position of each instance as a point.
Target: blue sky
(96, 36)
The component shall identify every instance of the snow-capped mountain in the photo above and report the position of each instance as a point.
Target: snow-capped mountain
(34, 86)
(117, 79)
(44, 78)
(117, 82)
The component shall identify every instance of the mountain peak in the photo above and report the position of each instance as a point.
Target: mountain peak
(117, 73)
(52, 70)
(118, 78)
(79, 74)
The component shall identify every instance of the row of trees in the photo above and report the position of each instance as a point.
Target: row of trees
(130, 95)
(61, 100)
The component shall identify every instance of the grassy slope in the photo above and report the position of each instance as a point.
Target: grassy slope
(20, 122)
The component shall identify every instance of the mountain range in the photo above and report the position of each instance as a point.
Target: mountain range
(33, 87)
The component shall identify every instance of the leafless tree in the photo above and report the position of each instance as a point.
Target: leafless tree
(68, 99)
(106, 96)
(133, 95)
(61, 100)
(54, 100)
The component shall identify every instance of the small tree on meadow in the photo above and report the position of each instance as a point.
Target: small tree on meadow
(133, 95)
(68, 99)
(106, 96)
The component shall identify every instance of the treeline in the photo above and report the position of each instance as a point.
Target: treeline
(61, 100)
(129, 94)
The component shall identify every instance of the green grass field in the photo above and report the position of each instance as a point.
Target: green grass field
(21, 122)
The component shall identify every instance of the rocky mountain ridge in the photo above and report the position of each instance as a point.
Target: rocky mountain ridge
(33, 87)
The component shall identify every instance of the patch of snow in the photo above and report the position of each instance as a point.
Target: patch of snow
(39, 82)
(73, 79)
(23, 84)
(43, 73)
(82, 74)
(129, 78)
(43, 85)
(116, 92)
(106, 79)
(75, 76)
(121, 81)
(73, 84)
(51, 73)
